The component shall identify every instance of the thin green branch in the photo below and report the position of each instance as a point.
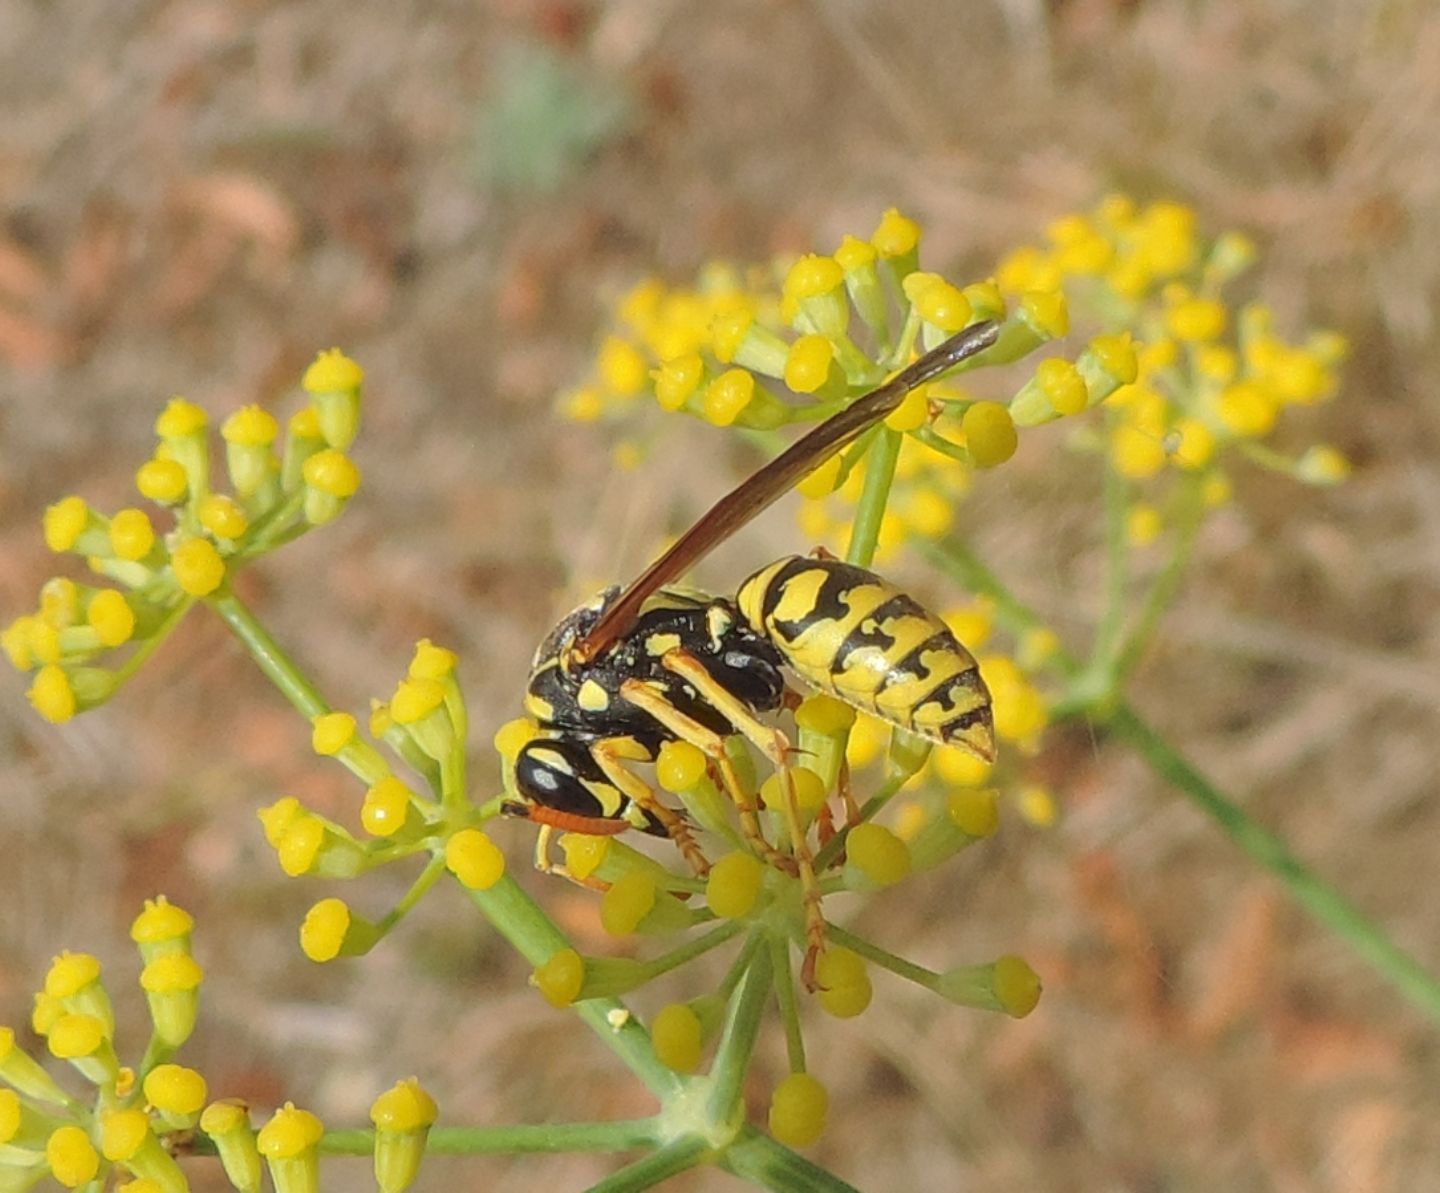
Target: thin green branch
(764, 1162)
(879, 473)
(278, 667)
(784, 982)
(737, 1041)
(1189, 516)
(1117, 572)
(1322, 900)
(618, 1136)
(676, 1156)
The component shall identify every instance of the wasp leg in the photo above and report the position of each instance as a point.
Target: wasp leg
(611, 761)
(712, 745)
(776, 747)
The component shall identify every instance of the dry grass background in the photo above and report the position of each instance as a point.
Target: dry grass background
(195, 196)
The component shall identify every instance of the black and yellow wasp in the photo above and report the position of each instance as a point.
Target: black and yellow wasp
(630, 670)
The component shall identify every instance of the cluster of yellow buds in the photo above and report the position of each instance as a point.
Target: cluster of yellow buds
(1209, 376)
(423, 725)
(155, 573)
(122, 1128)
(763, 902)
(827, 328)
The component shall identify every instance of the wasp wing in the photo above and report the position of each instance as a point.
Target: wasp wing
(764, 487)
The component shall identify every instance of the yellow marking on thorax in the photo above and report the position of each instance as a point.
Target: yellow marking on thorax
(592, 697)
(553, 759)
(538, 707)
(658, 645)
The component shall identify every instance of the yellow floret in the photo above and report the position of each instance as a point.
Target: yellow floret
(913, 411)
(198, 567)
(223, 516)
(812, 276)
(161, 481)
(64, 521)
(322, 933)
(131, 535)
(332, 372)
(415, 699)
(677, 1037)
(175, 1089)
(250, 426)
(1196, 320)
(974, 811)
(895, 235)
(727, 396)
(798, 1109)
(621, 366)
(733, 884)
(677, 379)
(882, 856)
(561, 978)
(1143, 525)
(71, 1156)
(809, 789)
(332, 472)
(1063, 386)
(1017, 986)
(1136, 453)
(679, 766)
(1046, 311)
(474, 859)
(290, 1132)
(989, 434)
(807, 366)
(1248, 409)
(628, 901)
(180, 418)
(822, 479)
(844, 981)
(386, 804)
(51, 694)
(1191, 443)
(854, 253)
(110, 615)
(513, 735)
(406, 1106)
(943, 305)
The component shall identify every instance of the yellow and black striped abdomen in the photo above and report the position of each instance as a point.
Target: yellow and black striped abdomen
(855, 635)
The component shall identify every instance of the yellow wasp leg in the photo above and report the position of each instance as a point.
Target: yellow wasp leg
(776, 747)
(712, 745)
(611, 762)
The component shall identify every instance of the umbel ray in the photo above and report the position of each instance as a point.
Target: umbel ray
(631, 670)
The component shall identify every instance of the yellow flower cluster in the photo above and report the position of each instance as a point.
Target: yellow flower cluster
(1209, 376)
(135, 1115)
(157, 572)
(798, 342)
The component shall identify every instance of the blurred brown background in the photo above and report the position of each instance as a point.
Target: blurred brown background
(196, 196)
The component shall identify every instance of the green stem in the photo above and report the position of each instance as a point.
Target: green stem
(618, 1136)
(779, 948)
(428, 877)
(676, 1156)
(698, 947)
(151, 644)
(885, 960)
(1117, 573)
(879, 473)
(737, 1041)
(760, 1160)
(1321, 900)
(1190, 515)
(278, 667)
(518, 918)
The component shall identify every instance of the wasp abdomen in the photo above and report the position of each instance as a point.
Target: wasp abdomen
(851, 633)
